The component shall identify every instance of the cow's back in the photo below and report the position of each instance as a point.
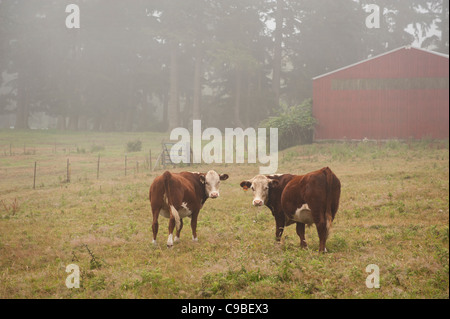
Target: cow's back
(183, 188)
(312, 189)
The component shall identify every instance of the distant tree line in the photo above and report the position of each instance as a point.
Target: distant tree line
(156, 65)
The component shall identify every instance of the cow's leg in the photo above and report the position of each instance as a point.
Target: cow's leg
(279, 225)
(194, 226)
(323, 234)
(171, 228)
(279, 232)
(177, 237)
(301, 233)
(155, 225)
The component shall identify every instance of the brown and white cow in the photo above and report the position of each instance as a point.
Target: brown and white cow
(267, 190)
(302, 199)
(179, 195)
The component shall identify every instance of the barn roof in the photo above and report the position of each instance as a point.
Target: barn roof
(406, 47)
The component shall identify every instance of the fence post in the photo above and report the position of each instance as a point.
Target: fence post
(34, 176)
(98, 166)
(125, 164)
(68, 171)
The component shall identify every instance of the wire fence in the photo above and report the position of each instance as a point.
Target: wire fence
(38, 167)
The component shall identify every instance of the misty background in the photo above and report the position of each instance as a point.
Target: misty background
(158, 64)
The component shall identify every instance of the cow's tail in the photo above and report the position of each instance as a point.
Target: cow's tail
(172, 211)
(328, 215)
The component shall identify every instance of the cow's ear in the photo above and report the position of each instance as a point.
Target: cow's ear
(245, 185)
(223, 177)
(202, 178)
(274, 183)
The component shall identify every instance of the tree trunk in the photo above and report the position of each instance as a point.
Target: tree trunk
(22, 111)
(108, 123)
(73, 122)
(172, 111)
(83, 123)
(277, 52)
(127, 125)
(249, 104)
(197, 84)
(97, 123)
(61, 123)
(237, 98)
(165, 121)
(144, 117)
(130, 110)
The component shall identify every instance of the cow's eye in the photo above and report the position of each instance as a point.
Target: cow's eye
(252, 188)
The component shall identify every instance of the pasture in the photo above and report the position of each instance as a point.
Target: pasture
(394, 212)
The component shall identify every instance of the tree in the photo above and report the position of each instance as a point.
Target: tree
(227, 62)
(295, 124)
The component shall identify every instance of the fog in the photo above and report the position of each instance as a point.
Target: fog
(159, 64)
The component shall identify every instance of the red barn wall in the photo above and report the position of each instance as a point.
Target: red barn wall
(413, 104)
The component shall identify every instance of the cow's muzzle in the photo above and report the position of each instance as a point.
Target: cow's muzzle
(258, 202)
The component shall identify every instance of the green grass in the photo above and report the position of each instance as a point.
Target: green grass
(394, 212)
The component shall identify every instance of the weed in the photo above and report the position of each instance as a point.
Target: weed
(97, 283)
(94, 263)
(285, 270)
(224, 283)
(12, 208)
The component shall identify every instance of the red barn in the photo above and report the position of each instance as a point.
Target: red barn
(400, 94)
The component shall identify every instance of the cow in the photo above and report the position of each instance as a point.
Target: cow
(307, 199)
(179, 195)
(267, 190)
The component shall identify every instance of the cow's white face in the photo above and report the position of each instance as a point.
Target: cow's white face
(212, 182)
(260, 187)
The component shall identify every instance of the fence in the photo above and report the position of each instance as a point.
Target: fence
(37, 167)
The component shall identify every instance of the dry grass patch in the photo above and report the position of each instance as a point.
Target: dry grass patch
(394, 212)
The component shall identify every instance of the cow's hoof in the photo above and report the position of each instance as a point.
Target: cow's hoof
(194, 239)
(176, 239)
(154, 242)
(169, 246)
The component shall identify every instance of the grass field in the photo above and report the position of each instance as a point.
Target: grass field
(394, 212)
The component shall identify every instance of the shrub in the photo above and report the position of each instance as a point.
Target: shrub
(96, 148)
(134, 146)
(295, 124)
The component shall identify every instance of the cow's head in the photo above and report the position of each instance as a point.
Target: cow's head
(211, 180)
(260, 186)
